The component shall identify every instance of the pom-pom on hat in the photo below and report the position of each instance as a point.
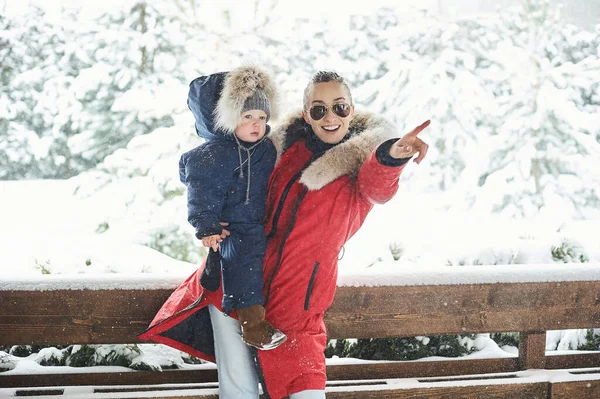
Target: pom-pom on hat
(245, 88)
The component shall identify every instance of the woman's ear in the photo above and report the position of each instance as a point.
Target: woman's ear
(351, 112)
(305, 117)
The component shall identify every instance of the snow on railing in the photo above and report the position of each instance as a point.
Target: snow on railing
(383, 274)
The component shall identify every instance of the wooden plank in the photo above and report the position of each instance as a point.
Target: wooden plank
(363, 371)
(532, 350)
(187, 391)
(385, 370)
(77, 317)
(194, 394)
(191, 395)
(454, 299)
(334, 372)
(538, 390)
(101, 379)
(369, 312)
(153, 388)
(487, 391)
(584, 360)
(575, 389)
(40, 392)
(117, 316)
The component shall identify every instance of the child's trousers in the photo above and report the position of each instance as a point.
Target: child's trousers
(235, 366)
(242, 256)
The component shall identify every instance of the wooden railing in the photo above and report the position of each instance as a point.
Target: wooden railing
(112, 316)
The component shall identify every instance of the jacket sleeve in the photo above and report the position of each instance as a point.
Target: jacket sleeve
(207, 184)
(378, 176)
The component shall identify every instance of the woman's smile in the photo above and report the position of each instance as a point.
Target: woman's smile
(331, 128)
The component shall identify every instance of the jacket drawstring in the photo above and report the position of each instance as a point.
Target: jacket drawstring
(248, 158)
(240, 157)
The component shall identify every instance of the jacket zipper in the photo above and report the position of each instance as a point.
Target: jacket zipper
(283, 240)
(310, 286)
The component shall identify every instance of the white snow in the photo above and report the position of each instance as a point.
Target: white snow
(383, 274)
(91, 282)
(390, 273)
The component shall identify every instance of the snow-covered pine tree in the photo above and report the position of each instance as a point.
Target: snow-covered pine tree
(132, 83)
(546, 138)
(514, 102)
(35, 70)
(402, 348)
(432, 68)
(74, 91)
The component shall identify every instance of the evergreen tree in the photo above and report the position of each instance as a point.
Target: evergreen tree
(132, 81)
(80, 91)
(33, 72)
(436, 68)
(546, 138)
(401, 348)
(514, 102)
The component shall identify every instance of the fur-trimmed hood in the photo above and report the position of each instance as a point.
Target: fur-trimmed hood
(366, 132)
(239, 85)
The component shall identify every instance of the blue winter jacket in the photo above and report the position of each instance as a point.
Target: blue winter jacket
(211, 171)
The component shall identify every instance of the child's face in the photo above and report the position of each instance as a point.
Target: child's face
(253, 126)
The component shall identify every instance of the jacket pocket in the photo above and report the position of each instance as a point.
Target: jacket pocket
(310, 285)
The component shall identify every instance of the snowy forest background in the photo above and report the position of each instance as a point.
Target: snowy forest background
(93, 119)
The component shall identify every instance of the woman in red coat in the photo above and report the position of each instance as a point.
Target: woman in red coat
(334, 165)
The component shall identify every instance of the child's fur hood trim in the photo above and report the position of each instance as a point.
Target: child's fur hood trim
(367, 131)
(239, 85)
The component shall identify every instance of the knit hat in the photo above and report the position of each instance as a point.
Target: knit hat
(245, 88)
(258, 100)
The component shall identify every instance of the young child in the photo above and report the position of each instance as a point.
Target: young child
(227, 180)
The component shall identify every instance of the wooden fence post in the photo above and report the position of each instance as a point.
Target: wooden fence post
(532, 350)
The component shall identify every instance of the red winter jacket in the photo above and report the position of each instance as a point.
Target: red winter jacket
(316, 202)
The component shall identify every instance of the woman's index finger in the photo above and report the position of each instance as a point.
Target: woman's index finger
(419, 128)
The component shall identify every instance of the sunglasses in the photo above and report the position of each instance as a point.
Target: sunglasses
(317, 112)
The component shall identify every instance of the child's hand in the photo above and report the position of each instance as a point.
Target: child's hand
(224, 233)
(212, 241)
